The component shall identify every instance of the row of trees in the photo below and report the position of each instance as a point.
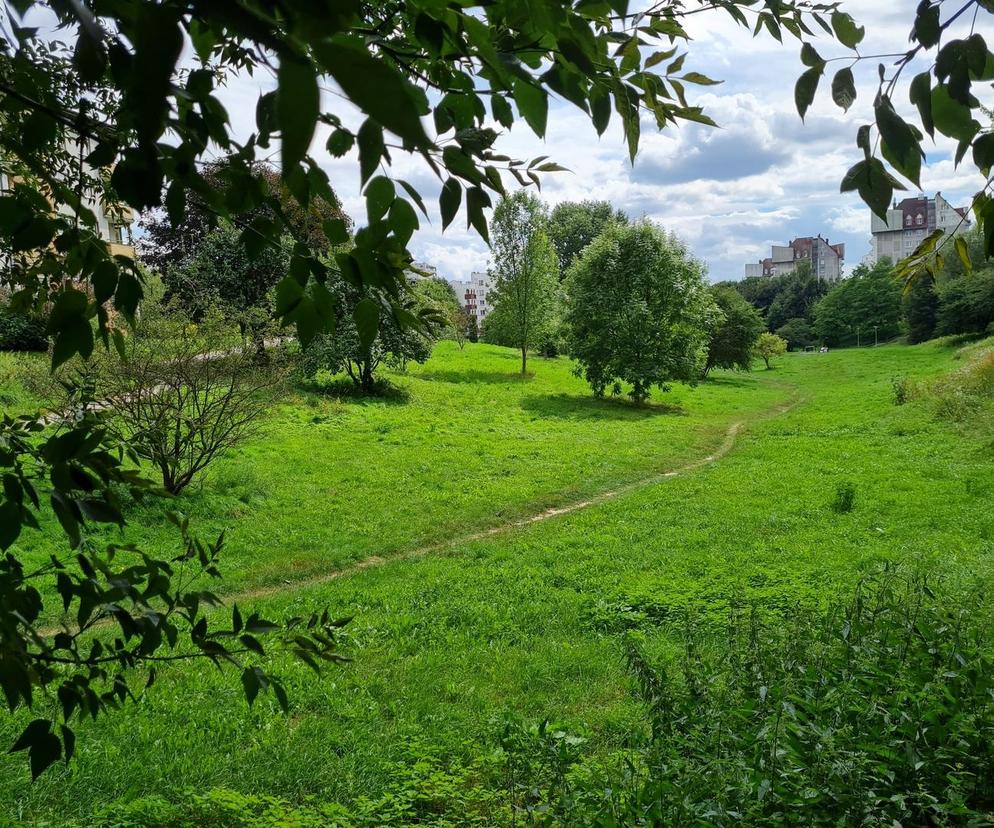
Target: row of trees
(626, 301)
(872, 305)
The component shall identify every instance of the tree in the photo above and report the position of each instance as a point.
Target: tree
(525, 275)
(575, 224)
(438, 294)
(165, 244)
(797, 294)
(731, 341)
(861, 309)
(966, 305)
(394, 343)
(769, 346)
(798, 333)
(921, 309)
(638, 312)
(181, 396)
(473, 330)
(218, 275)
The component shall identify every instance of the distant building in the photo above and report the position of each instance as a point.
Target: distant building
(826, 259)
(421, 270)
(909, 222)
(113, 225)
(475, 294)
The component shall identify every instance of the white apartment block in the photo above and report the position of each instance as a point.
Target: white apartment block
(475, 294)
(909, 222)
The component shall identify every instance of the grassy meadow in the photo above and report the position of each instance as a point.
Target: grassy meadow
(524, 623)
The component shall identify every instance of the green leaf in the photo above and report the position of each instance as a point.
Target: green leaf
(600, 108)
(371, 148)
(533, 103)
(448, 201)
(927, 29)
(952, 118)
(476, 201)
(846, 30)
(844, 88)
(805, 88)
(297, 104)
(10, 523)
(367, 320)
(43, 746)
(502, 111)
(983, 152)
(874, 184)
(921, 96)
(699, 79)
(335, 231)
(340, 142)
(380, 194)
(374, 86)
(810, 57)
(963, 251)
(900, 141)
(403, 220)
(250, 683)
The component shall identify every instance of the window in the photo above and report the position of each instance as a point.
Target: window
(907, 221)
(920, 220)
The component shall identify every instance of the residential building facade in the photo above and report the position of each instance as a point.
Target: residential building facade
(907, 224)
(826, 259)
(475, 294)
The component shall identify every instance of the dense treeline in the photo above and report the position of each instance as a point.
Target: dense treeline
(871, 306)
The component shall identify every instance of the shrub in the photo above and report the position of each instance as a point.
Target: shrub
(21, 332)
(769, 346)
(183, 395)
(902, 389)
(875, 711)
(845, 498)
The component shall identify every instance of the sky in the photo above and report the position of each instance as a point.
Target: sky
(762, 178)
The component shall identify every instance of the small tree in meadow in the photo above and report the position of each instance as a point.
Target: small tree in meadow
(732, 339)
(638, 311)
(769, 346)
(526, 272)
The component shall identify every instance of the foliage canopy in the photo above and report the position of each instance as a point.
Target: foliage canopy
(638, 311)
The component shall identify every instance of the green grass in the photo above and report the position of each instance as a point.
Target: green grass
(522, 623)
(469, 444)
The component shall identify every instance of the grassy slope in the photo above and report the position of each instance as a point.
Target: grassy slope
(447, 644)
(329, 482)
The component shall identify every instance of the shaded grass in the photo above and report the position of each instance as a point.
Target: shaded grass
(526, 623)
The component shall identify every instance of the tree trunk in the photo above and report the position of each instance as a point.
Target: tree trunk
(367, 378)
(524, 361)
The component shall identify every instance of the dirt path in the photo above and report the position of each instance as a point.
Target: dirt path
(726, 445)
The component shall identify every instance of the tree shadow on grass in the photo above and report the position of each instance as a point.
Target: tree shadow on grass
(474, 376)
(730, 380)
(573, 407)
(345, 390)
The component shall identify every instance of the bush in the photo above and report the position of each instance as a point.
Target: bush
(875, 711)
(183, 396)
(902, 388)
(21, 332)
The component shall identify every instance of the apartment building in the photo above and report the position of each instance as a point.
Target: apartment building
(475, 294)
(907, 224)
(113, 226)
(826, 259)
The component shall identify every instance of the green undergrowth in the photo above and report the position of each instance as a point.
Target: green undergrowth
(461, 655)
